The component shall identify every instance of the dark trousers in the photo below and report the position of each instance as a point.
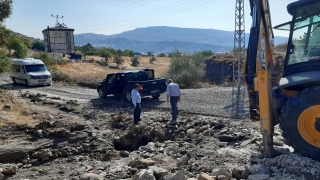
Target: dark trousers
(174, 107)
(136, 113)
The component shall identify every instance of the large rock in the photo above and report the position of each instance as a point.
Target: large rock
(143, 175)
(142, 162)
(190, 132)
(223, 172)
(178, 176)
(45, 154)
(259, 169)
(90, 176)
(10, 170)
(159, 172)
(258, 177)
(205, 176)
(240, 172)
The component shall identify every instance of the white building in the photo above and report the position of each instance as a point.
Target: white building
(59, 39)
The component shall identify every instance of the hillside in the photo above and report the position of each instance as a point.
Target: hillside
(166, 39)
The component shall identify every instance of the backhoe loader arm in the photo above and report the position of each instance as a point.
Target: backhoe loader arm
(261, 72)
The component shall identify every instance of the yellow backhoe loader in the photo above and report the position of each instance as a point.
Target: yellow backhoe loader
(290, 97)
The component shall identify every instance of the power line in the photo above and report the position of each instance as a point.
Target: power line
(70, 15)
(158, 11)
(168, 15)
(146, 20)
(115, 11)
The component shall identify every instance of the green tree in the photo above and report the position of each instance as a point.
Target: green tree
(105, 54)
(128, 53)
(135, 61)
(175, 53)
(5, 9)
(38, 45)
(5, 36)
(21, 50)
(162, 55)
(118, 60)
(4, 60)
(207, 53)
(187, 70)
(119, 52)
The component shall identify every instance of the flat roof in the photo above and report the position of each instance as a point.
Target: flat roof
(26, 61)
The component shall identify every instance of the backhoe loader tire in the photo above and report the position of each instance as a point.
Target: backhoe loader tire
(290, 120)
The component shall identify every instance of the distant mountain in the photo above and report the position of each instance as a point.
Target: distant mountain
(163, 39)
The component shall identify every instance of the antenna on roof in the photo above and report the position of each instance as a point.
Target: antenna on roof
(57, 17)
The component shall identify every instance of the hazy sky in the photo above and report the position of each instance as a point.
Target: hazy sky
(108, 17)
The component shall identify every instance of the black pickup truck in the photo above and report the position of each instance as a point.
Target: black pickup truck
(122, 83)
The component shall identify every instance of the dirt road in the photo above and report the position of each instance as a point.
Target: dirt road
(210, 101)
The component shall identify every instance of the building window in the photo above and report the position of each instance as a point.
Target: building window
(68, 40)
(67, 34)
(68, 52)
(68, 46)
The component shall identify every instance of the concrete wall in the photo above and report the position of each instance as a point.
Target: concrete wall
(59, 41)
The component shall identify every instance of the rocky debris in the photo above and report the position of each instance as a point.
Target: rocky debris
(110, 154)
(142, 162)
(177, 176)
(258, 177)
(159, 172)
(124, 153)
(43, 154)
(9, 169)
(106, 145)
(7, 106)
(222, 172)
(90, 176)
(259, 169)
(143, 175)
(1, 177)
(240, 172)
(205, 176)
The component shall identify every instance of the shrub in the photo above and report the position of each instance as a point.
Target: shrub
(60, 76)
(21, 50)
(105, 54)
(44, 57)
(188, 71)
(4, 60)
(135, 61)
(152, 59)
(38, 45)
(118, 60)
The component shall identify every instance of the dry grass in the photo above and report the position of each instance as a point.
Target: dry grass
(96, 71)
(13, 116)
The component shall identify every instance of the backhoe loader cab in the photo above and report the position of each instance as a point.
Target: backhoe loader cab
(302, 64)
(300, 81)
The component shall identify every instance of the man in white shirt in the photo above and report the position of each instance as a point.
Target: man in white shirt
(173, 95)
(136, 100)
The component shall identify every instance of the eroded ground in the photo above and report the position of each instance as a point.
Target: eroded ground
(64, 132)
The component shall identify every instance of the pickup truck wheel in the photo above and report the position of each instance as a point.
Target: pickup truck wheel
(127, 96)
(14, 81)
(101, 93)
(156, 96)
(26, 83)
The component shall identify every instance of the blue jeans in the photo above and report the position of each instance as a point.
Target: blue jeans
(174, 107)
(136, 114)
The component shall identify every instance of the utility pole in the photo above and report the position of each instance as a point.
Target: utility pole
(238, 88)
(55, 37)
